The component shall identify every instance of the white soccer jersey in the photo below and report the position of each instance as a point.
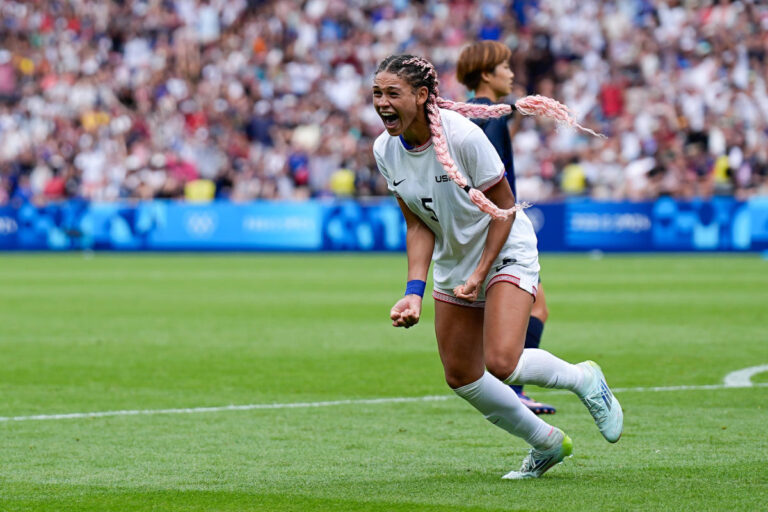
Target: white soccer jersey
(459, 226)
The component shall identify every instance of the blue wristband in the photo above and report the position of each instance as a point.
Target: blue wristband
(415, 287)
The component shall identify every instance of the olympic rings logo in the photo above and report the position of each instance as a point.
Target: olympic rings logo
(201, 224)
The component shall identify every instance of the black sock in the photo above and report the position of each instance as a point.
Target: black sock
(533, 334)
(532, 340)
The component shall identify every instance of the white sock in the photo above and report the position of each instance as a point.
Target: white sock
(500, 405)
(541, 368)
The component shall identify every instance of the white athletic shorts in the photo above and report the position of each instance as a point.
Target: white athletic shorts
(524, 277)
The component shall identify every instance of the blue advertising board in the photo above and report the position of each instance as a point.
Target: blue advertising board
(758, 225)
(608, 226)
(718, 224)
(293, 226)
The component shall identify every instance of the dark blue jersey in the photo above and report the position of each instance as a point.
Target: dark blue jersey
(497, 131)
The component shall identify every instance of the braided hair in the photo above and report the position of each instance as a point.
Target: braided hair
(419, 72)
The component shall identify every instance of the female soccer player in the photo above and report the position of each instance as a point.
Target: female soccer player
(483, 68)
(484, 250)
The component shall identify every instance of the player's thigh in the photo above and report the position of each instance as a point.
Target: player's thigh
(459, 332)
(507, 309)
(540, 309)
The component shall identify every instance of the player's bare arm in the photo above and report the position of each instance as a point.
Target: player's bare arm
(420, 242)
(498, 232)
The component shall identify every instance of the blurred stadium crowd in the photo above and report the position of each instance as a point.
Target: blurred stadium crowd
(271, 99)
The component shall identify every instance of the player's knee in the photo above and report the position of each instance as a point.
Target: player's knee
(457, 377)
(501, 365)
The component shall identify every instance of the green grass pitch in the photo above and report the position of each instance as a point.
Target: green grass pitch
(94, 333)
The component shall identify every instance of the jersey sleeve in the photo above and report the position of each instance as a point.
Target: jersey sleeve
(480, 161)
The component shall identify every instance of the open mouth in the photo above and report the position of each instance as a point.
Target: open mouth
(390, 119)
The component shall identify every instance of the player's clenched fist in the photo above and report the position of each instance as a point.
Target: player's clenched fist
(406, 311)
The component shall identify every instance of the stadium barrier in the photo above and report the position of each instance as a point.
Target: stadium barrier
(718, 224)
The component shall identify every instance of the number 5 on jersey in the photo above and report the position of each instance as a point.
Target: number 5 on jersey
(425, 203)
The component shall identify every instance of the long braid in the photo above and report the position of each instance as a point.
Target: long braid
(444, 157)
(536, 105)
(476, 110)
(420, 72)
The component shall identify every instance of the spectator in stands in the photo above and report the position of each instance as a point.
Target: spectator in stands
(229, 87)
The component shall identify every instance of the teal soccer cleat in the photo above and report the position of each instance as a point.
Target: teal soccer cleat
(602, 404)
(537, 462)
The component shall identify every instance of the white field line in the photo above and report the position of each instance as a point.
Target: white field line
(303, 405)
(743, 377)
(250, 407)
